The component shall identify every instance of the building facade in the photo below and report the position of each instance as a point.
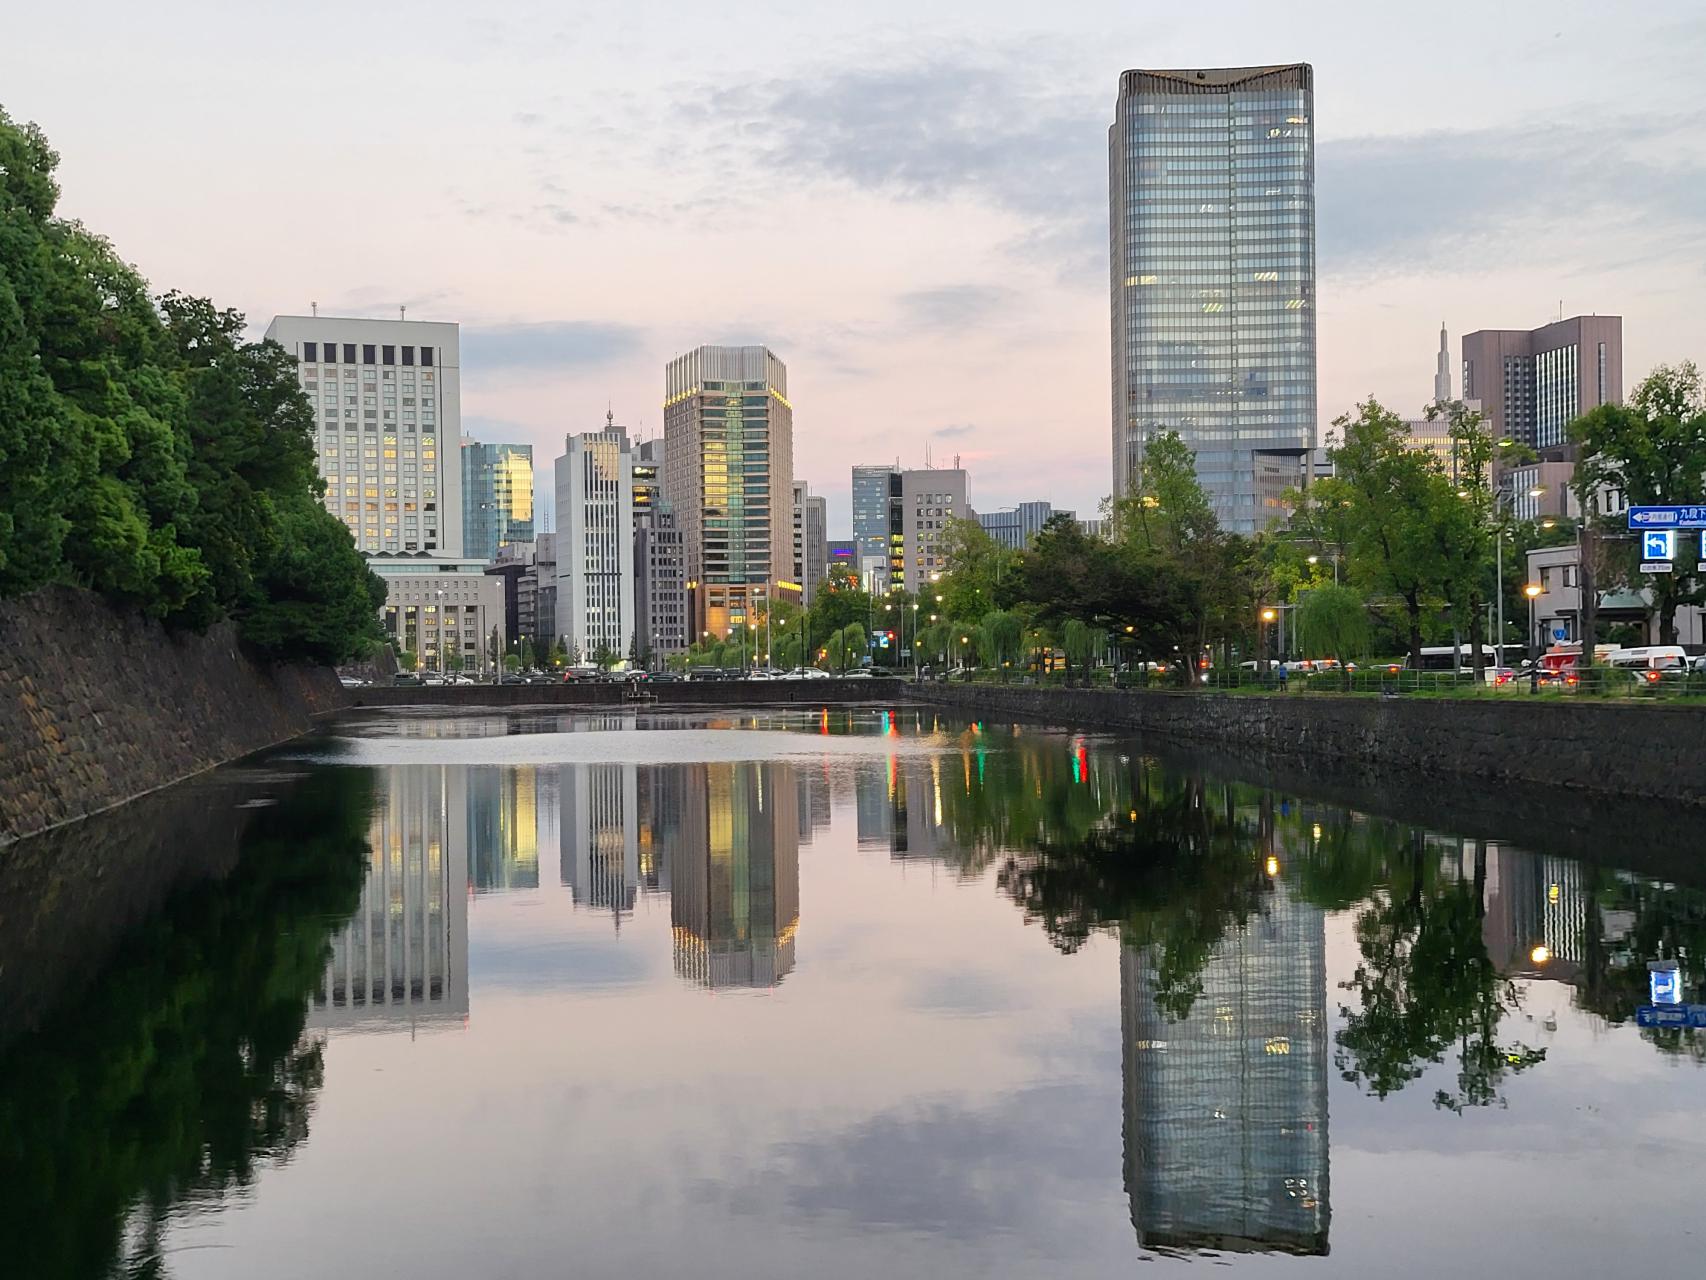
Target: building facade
(387, 407)
(1212, 241)
(450, 613)
(1531, 383)
(873, 494)
(497, 497)
(811, 540)
(595, 526)
(545, 633)
(1014, 527)
(660, 563)
(927, 502)
(729, 477)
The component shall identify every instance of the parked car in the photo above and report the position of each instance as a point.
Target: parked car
(664, 677)
(406, 677)
(351, 682)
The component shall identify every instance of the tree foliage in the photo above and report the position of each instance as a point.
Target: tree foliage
(148, 452)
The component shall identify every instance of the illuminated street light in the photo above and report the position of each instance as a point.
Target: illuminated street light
(1268, 615)
(1532, 589)
(1271, 866)
(1541, 954)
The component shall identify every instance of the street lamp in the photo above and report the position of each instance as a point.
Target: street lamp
(1335, 559)
(1267, 615)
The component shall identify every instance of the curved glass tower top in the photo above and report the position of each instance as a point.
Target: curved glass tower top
(1211, 188)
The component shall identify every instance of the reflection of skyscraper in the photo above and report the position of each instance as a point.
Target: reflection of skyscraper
(403, 956)
(503, 827)
(1226, 1110)
(814, 800)
(600, 835)
(1536, 914)
(735, 874)
(873, 811)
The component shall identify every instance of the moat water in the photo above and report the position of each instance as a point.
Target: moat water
(842, 994)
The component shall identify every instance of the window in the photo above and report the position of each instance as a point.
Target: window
(408, 355)
(349, 353)
(368, 353)
(426, 357)
(390, 356)
(311, 351)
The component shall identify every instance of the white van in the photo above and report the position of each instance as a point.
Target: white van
(1653, 662)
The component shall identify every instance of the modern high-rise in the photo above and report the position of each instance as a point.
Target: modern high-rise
(497, 497)
(1014, 527)
(595, 548)
(729, 478)
(1532, 383)
(1442, 368)
(660, 564)
(1226, 1107)
(387, 410)
(874, 488)
(1211, 190)
(811, 540)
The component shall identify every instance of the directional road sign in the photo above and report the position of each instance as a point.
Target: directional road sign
(1667, 517)
(1658, 544)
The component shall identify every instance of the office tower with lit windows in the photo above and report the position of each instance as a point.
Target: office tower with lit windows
(497, 497)
(729, 479)
(811, 540)
(1211, 192)
(387, 410)
(929, 500)
(1531, 384)
(1226, 1107)
(595, 558)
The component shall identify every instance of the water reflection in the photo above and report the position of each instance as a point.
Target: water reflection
(1257, 952)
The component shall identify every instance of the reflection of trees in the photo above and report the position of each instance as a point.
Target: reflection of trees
(1425, 983)
(184, 1065)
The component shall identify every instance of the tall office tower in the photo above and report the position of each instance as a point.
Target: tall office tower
(728, 476)
(595, 558)
(401, 961)
(811, 540)
(660, 563)
(1014, 527)
(1211, 193)
(928, 500)
(735, 874)
(387, 399)
(1531, 383)
(874, 489)
(1442, 368)
(1226, 1108)
(497, 497)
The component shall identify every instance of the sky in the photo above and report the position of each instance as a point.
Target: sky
(907, 203)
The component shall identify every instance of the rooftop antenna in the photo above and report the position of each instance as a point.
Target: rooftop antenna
(402, 312)
(956, 462)
(314, 309)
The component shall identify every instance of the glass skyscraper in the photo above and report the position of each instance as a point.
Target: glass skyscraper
(497, 497)
(1211, 189)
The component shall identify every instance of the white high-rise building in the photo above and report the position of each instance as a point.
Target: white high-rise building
(387, 402)
(595, 547)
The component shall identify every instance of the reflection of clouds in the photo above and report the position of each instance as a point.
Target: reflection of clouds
(1030, 1166)
(957, 994)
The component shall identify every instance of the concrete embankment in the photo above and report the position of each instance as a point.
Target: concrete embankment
(1634, 749)
(99, 705)
(687, 693)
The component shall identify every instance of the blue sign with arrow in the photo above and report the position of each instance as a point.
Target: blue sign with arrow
(1667, 517)
(1658, 544)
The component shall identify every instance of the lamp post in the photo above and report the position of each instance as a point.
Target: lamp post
(1334, 557)
(1267, 615)
(1499, 559)
(914, 650)
(1532, 590)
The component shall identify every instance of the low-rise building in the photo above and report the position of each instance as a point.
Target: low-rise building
(1557, 609)
(441, 609)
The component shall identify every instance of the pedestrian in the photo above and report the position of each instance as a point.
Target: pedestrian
(1283, 673)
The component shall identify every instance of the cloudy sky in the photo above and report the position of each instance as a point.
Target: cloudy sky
(907, 202)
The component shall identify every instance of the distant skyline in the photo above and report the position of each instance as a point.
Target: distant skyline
(908, 207)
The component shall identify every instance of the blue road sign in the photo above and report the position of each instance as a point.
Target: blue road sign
(1558, 633)
(1658, 544)
(1664, 982)
(1670, 1015)
(1667, 517)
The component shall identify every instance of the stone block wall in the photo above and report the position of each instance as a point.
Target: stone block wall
(1641, 750)
(98, 705)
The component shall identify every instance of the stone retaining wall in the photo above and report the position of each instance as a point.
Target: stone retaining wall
(1635, 749)
(98, 705)
(687, 693)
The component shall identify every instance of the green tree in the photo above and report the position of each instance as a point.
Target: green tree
(1651, 450)
(1333, 622)
(1080, 643)
(408, 660)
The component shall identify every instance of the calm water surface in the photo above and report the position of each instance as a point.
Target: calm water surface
(852, 994)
